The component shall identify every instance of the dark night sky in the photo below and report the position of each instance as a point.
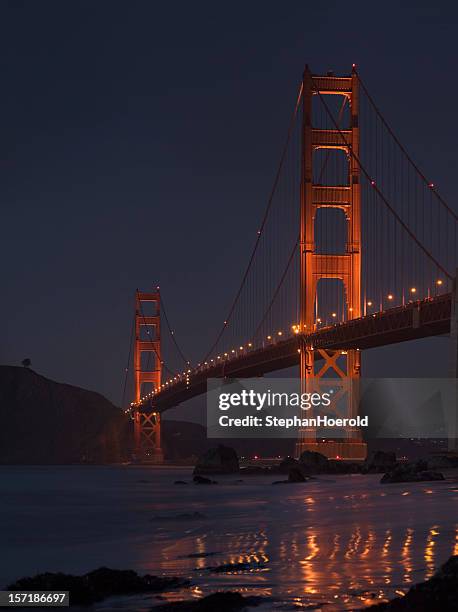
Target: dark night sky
(138, 144)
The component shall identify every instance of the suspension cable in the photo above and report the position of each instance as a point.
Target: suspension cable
(263, 223)
(404, 150)
(126, 370)
(379, 193)
(280, 283)
(172, 333)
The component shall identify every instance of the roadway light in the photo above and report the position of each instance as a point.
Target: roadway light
(318, 320)
(280, 333)
(439, 282)
(241, 348)
(334, 315)
(390, 296)
(369, 303)
(269, 337)
(413, 290)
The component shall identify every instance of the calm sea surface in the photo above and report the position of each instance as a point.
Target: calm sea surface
(337, 542)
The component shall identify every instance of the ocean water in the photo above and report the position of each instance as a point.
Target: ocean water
(336, 543)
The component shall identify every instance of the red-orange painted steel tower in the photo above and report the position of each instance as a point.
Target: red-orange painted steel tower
(344, 366)
(147, 425)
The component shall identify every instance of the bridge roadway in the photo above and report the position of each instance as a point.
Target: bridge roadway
(419, 319)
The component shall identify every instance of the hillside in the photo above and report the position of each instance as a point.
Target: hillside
(42, 421)
(46, 422)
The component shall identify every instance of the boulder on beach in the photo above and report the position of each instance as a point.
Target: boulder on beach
(98, 584)
(380, 461)
(202, 480)
(313, 461)
(286, 464)
(439, 593)
(224, 601)
(295, 475)
(219, 460)
(410, 472)
(230, 568)
(441, 462)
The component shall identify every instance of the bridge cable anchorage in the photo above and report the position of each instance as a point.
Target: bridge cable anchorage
(378, 191)
(126, 374)
(405, 152)
(261, 228)
(172, 333)
(164, 365)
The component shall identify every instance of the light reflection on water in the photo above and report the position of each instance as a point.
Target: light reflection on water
(345, 541)
(344, 549)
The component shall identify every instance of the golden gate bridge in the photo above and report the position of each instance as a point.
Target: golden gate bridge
(356, 249)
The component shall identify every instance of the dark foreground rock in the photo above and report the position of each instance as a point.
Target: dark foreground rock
(380, 461)
(410, 473)
(98, 584)
(438, 594)
(442, 462)
(287, 464)
(314, 462)
(198, 555)
(226, 601)
(202, 480)
(226, 568)
(296, 475)
(219, 460)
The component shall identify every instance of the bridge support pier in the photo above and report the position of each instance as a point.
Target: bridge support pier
(147, 421)
(147, 435)
(338, 373)
(453, 412)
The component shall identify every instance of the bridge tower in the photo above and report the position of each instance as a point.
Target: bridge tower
(342, 366)
(147, 422)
